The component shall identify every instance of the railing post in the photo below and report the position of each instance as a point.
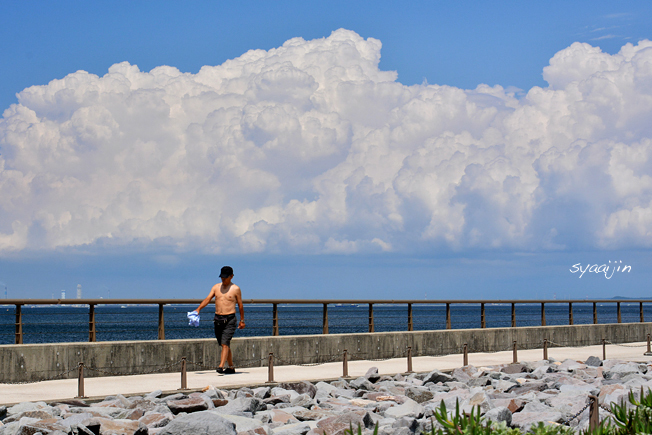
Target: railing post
(543, 314)
(409, 360)
(640, 311)
(345, 365)
(19, 324)
(618, 309)
(325, 320)
(466, 355)
(649, 351)
(594, 414)
(514, 353)
(545, 348)
(92, 332)
(570, 313)
(270, 368)
(184, 374)
(161, 323)
(371, 317)
(513, 315)
(604, 349)
(274, 319)
(448, 316)
(595, 313)
(80, 381)
(483, 319)
(410, 324)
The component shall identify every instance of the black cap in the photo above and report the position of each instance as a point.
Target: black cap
(226, 272)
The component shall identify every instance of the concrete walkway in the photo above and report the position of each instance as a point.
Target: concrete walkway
(97, 388)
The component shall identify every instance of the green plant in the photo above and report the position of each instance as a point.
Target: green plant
(637, 420)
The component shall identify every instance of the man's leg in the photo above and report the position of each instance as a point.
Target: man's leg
(230, 357)
(226, 353)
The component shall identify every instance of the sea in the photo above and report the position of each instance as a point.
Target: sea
(69, 323)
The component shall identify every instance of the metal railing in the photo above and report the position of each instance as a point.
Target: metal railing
(275, 303)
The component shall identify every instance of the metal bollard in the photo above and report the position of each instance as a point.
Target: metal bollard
(649, 352)
(345, 365)
(545, 348)
(604, 349)
(270, 368)
(184, 374)
(80, 381)
(594, 414)
(466, 355)
(515, 356)
(409, 359)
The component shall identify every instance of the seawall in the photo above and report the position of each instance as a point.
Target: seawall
(34, 362)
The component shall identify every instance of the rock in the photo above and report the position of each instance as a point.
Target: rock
(372, 375)
(406, 422)
(312, 415)
(243, 424)
(619, 371)
(419, 394)
(257, 431)
(200, 423)
(408, 409)
(336, 425)
(154, 394)
(154, 419)
(593, 361)
(514, 368)
(191, 404)
(525, 420)
(478, 399)
(499, 414)
(362, 383)
(303, 400)
(106, 426)
(241, 405)
(302, 387)
(3, 412)
(280, 416)
(292, 429)
(464, 374)
(38, 414)
(45, 426)
(261, 393)
(436, 376)
(27, 406)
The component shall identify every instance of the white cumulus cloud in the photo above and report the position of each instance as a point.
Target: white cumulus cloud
(310, 147)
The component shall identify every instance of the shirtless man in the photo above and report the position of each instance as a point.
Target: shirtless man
(226, 295)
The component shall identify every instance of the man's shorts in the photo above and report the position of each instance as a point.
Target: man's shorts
(225, 326)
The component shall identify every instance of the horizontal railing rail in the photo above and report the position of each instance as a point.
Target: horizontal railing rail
(274, 304)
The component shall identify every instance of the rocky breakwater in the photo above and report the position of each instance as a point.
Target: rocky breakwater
(518, 394)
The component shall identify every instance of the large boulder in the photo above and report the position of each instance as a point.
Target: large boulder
(302, 387)
(408, 409)
(338, 424)
(200, 423)
(437, 376)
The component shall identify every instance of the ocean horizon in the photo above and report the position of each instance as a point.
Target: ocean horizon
(69, 323)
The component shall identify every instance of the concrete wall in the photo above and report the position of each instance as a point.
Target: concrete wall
(33, 362)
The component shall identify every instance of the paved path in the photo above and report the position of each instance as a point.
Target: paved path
(97, 388)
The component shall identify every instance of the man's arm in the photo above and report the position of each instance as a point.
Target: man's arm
(206, 301)
(238, 299)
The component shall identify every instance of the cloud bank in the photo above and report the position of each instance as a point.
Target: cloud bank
(311, 148)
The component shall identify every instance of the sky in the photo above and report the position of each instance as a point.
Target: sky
(344, 150)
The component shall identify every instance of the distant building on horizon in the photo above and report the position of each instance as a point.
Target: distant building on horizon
(63, 294)
(79, 291)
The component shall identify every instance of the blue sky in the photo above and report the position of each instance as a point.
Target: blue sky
(339, 178)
